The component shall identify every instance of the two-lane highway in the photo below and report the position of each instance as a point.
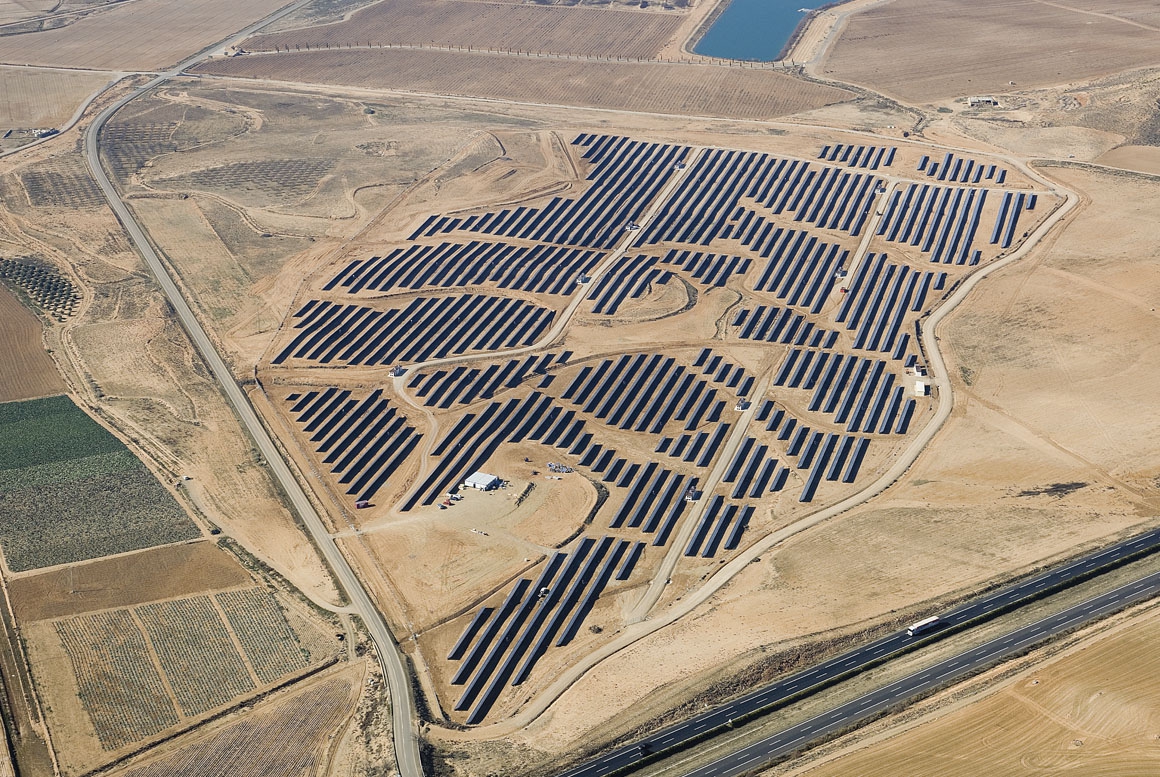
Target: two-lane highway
(398, 682)
(872, 654)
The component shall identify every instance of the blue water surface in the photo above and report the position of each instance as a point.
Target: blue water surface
(754, 30)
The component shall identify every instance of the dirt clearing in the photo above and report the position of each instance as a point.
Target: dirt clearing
(688, 90)
(922, 51)
(28, 371)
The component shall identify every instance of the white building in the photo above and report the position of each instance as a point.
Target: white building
(482, 481)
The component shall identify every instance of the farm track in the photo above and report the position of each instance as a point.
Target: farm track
(406, 743)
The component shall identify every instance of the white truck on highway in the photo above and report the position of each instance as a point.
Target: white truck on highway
(926, 624)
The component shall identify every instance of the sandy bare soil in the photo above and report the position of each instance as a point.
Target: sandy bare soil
(605, 32)
(697, 90)
(1092, 711)
(921, 52)
(122, 581)
(141, 35)
(43, 98)
(29, 372)
(1144, 159)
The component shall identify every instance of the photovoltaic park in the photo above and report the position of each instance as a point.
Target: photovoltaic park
(704, 344)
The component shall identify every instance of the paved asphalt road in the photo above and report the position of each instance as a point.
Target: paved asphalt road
(825, 673)
(852, 712)
(402, 703)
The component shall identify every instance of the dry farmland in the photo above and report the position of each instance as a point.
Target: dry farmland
(42, 98)
(600, 32)
(655, 87)
(122, 581)
(1094, 712)
(921, 51)
(140, 35)
(282, 738)
(28, 370)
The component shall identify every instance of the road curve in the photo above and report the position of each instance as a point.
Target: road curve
(406, 743)
(798, 685)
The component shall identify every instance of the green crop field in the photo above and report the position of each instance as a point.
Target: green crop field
(71, 491)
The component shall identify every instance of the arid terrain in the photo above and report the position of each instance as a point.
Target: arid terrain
(680, 307)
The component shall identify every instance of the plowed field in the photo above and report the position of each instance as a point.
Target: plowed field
(28, 370)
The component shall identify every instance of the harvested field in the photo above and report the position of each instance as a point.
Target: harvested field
(71, 491)
(142, 35)
(921, 51)
(657, 87)
(28, 371)
(159, 573)
(600, 32)
(287, 739)
(1092, 712)
(117, 681)
(42, 98)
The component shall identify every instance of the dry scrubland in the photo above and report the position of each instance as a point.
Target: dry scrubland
(42, 98)
(141, 35)
(125, 355)
(28, 372)
(1093, 712)
(600, 32)
(908, 50)
(651, 87)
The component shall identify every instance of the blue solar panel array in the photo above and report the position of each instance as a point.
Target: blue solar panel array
(937, 219)
(541, 269)
(802, 269)
(502, 644)
(625, 176)
(630, 277)
(858, 156)
(364, 440)
(463, 385)
(714, 524)
(772, 324)
(426, 328)
(643, 392)
(712, 270)
(1013, 204)
(855, 391)
(710, 194)
(960, 170)
(878, 297)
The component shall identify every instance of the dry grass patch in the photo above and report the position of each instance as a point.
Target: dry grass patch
(659, 87)
(922, 51)
(161, 573)
(603, 32)
(1093, 712)
(28, 371)
(141, 35)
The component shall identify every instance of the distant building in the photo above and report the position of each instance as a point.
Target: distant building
(921, 389)
(482, 481)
